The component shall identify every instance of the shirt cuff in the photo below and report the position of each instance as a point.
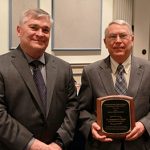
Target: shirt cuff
(29, 144)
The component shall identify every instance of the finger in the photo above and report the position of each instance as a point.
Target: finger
(137, 131)
(103, 138)
(133, 137)
(95, 126)
(108, 140)
(97, 135)
(95, 129)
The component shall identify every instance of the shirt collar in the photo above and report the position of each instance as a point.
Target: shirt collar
(30, 59)
(126, 64)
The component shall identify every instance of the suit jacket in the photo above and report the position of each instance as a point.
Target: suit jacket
(97, 82)
(21, 112)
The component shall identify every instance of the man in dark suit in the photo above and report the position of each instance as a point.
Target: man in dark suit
(25, 123)
(98, 80)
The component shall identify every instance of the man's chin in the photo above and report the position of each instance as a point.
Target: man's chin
(120, 53)
(40, 47)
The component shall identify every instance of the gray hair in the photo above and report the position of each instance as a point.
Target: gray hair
(119, 22)
(35, 13)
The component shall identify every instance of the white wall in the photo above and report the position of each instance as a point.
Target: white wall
(71, 57)
(141, 22)
(86, 56)
(141, 27)
(4, 24)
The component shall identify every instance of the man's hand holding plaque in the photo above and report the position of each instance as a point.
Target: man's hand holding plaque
(115, 115)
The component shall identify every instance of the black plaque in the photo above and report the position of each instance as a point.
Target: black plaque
(115, 115)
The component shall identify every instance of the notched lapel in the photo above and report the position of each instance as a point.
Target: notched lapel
(136, 74)
(106, 77)
(51, 73)
(19, 61)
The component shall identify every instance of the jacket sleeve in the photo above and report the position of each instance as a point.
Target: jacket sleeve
(12, 133)
(67, 129)
(87, 111)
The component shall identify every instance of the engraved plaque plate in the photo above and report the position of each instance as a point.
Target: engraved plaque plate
(115, 115)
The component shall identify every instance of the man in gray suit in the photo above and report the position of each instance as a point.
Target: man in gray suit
(25, 122)
(98, 80)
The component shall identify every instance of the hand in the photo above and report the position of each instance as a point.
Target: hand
(38, 145)
(54, 146)
(137, 131)
(99, 136)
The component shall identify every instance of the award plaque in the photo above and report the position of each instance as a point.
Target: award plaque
(115, 115)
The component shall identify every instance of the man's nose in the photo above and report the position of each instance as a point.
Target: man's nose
(118, 39)
(40, 32)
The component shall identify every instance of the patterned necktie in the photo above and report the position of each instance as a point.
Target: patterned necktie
(39, 81)
(120, 85)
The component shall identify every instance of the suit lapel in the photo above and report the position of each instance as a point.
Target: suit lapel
(136, 74)
(20, 62)
(51, 73)
(106, 77)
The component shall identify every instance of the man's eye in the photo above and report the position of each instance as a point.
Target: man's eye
(123, 36)
(46, 30)
(34, 27)
(113, 36)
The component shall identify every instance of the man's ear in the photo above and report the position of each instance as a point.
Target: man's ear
(132, 37)
(18, 31)
(105, 42)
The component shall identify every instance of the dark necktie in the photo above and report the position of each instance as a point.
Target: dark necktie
(120, 85)
(39, 81)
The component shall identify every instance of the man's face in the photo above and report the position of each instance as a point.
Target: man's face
(119, 42)
(34, 35)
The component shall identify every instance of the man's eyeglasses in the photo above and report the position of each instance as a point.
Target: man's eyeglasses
(122, 36)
